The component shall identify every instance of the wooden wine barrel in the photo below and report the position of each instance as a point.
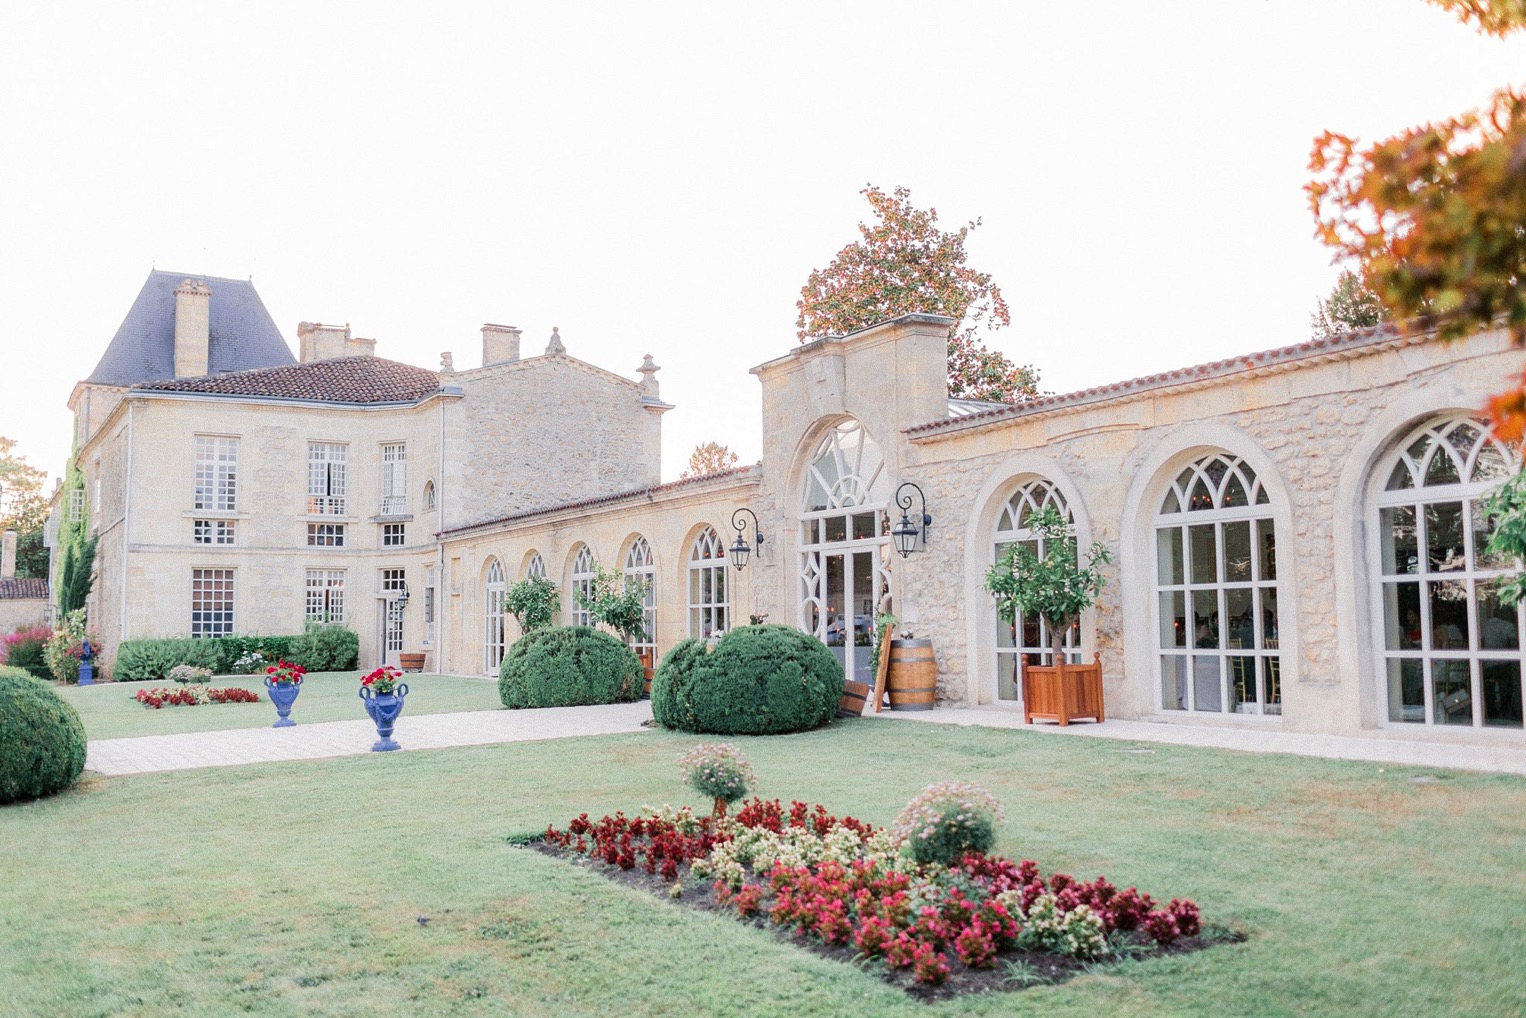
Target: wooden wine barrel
(411, 662)
(854, 696)
(913, 679)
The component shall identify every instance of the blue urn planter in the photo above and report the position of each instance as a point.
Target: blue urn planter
(384, 709)
(283, 696)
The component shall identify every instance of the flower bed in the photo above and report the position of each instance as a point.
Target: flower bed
(853, 891)
(191, 696)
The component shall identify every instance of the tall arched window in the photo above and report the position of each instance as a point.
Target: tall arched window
(1450, 651)
(492, 617)
(1216, 591)
(708, 603)
(583, 575)
(640, 569)
(844, 544)
(1026, 638)
(536, 570)
(429, 495)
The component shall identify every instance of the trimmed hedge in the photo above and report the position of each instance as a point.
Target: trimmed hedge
(569, 666)
(325, 648)
(759, 680)
(42, 741)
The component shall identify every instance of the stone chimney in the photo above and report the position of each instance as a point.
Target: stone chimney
(500, 344)
(193, 324)
(321, 342)
(8, 556)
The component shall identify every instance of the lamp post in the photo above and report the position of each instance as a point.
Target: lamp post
(906, 532)
(740, 549)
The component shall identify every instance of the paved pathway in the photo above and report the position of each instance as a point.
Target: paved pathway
(346, 738)
(1379, 748)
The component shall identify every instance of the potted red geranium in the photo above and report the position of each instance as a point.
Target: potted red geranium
(383, 691)
(284, 680)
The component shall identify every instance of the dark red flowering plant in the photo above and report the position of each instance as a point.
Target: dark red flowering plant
(284, 673)
(383, 680)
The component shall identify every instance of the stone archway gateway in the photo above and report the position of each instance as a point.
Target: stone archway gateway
(844, 544)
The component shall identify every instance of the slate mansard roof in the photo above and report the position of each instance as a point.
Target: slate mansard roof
(351, 380)
(242, 334)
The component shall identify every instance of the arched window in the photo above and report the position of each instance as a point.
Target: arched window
(536, 570)
(428, 495)
(708, 604)
(640, 569)
(583, 575)
(844, 544)
(1216, 591)
(1026, 638)
(492, 618)
(1450, 651)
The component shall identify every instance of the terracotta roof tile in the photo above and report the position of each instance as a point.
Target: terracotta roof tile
(23, 589)
(341, 380)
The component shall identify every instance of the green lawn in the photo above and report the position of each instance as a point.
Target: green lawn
(293, 888)
(110, 712)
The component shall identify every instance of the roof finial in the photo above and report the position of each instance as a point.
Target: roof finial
(648, 372)
(447, 363)
(555, 347)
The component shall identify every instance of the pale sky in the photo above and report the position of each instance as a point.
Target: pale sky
(662, 177)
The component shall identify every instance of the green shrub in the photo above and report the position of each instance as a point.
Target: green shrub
(566, 666)
(947, 821)
(143, 660)
(42, 741)
(759, 680)
(326, 647)
(268, 649)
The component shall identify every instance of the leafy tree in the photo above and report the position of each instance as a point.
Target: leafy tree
(77, 576)
(23, 509)
(1435, 216)
(905, 264)
(617, 603)
(532, 602)
(709, 458)
(1055, 586)
(1350, 306)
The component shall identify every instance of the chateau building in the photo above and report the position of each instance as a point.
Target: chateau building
(1298, 537)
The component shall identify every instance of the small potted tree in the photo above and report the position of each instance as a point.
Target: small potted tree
(1058, 590)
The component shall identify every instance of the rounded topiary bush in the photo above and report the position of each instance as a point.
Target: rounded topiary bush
(568, 666)
(759, 680)
(42, 741)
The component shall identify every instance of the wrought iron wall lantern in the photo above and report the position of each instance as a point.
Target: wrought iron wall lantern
(401, 597)
(906, 532)
(740, 549)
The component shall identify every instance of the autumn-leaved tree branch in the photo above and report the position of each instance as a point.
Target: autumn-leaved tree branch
(904, 264)
(1435, 217)
(708, 458)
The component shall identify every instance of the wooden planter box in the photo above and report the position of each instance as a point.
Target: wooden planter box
(411, 662)
(648, 670)
(1062, 692)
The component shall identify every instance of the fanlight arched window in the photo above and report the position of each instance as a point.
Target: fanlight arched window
(584, 570)
(492, 617)
(429, 495)
(1026, 638)
(847, 470)
(1216, 591)
(640, 569)
(708, 602)
(536, 570)
(1450, 651)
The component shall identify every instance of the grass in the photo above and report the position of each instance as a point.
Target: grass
(294, 888)
(110, 712)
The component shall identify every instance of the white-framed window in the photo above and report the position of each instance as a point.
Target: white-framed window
(394, 479)
(1450, 651)
(431, 592)
(709, 605)
(393, 582)
(429, 502)
(95, 503)
(393, 535)
(216, 474)
(536, 570)
(492, 617)
(1027, 637)
(325, 535)
(214, 531)
(325, 595)
(1216, 591)
(326, 478)
(640, 568)
(76, 504)
(583, 576)
(211, 602)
